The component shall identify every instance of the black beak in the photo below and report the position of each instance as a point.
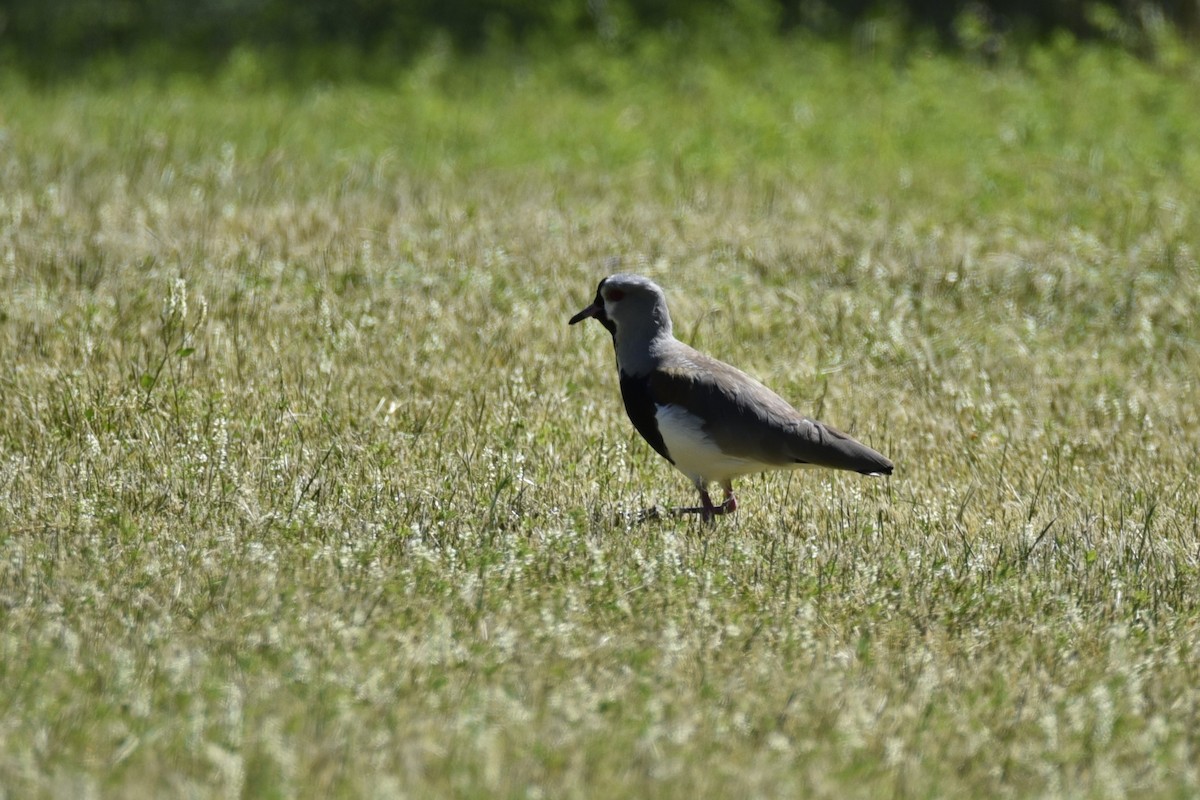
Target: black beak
(594, 310)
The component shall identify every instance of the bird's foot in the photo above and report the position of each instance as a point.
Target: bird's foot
(649, 514)
(692, 510)
(707, 511)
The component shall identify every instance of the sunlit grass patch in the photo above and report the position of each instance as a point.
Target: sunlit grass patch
(307, 486)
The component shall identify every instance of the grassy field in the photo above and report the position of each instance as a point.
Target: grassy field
(308, 490)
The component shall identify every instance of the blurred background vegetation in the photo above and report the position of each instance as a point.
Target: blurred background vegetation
(331, 39)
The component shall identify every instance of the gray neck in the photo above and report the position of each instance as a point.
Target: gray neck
(639, 343)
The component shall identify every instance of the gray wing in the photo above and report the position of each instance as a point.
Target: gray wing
(748, 420)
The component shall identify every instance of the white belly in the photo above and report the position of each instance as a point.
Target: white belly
(695, 454)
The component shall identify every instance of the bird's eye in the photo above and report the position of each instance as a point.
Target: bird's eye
(614, 295)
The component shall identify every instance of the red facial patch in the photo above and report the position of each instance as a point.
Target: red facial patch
(614, 295)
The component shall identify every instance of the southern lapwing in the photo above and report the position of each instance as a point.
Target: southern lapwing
(712, 421)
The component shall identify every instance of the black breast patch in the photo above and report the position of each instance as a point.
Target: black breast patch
(639, 405)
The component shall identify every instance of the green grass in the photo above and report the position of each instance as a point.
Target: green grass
(307, 488)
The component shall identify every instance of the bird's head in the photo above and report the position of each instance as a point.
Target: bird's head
(630, 306)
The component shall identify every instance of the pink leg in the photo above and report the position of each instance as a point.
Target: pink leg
(730, 505)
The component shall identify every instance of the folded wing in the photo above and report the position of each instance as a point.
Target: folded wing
(748, 420)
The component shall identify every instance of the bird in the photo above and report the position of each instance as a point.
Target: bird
(712, 421)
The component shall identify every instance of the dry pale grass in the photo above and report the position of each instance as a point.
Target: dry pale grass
(307, 488)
